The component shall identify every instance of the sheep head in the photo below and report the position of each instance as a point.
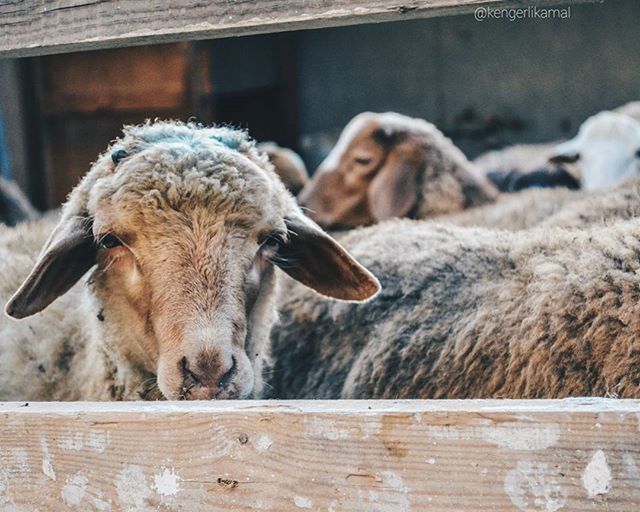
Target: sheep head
(185, 225)
(288, 165)
(389, 165)
(605, 151)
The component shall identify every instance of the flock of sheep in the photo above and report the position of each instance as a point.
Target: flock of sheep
(181, 267)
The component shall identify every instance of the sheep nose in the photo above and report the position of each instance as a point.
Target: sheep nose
(209, 380)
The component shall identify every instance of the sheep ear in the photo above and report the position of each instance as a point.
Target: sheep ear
(65, 258)
(565, 153)
(313, 258)
(394, 191)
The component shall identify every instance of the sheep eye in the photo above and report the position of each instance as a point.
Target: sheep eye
(274, 241)
(109, 241)
(363, 160)
(638, 154)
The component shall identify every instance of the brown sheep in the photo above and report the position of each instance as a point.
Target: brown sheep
(472, 313)
(180, 229)
(288, 165)
(389, 165)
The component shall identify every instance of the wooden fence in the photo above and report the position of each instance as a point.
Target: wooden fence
(546, 455)
(391, 456)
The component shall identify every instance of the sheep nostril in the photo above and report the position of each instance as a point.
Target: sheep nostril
(189, 380)
(226, 378)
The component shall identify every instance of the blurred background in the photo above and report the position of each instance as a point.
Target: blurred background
(485, 84)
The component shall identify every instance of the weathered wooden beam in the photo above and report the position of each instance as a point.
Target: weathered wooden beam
(474, 455)
(39, 27)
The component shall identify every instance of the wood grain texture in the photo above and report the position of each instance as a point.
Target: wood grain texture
(578, 454)
(38, 27)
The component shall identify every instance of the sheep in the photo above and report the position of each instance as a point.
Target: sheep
(603, 139)
(631, 109)
(14, 206)
(471, 313)
(621, 202)
(517, 211)
(605, 150)
(180, 229)
(389, 165)
(288, 165)
(524, 166)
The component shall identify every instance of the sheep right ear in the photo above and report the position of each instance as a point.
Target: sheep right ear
(68, 254)
(316, 260)
(394, 191)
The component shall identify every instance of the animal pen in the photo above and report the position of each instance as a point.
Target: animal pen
(440, 455)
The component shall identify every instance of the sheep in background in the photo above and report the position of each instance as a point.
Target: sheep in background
(631, 109)
(471, 313)
(14, 206)
(524, 166)
(605, 151)
(520, 210)
(621, 202)
(184, 226)
(288, 165)
(389, 165)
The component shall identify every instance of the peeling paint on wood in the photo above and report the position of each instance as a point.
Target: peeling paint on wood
(542, 455)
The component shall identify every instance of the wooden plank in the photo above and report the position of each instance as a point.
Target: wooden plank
(475, 455)
(124, 80)
(38, 27)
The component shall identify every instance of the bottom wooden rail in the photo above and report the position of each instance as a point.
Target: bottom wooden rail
(471, 455)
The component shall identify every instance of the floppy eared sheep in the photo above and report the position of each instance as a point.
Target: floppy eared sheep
(288, 165)
(389, 165)
(605, 154)
(594, 159)
(472, 313)
(179, 229)
(605, 150)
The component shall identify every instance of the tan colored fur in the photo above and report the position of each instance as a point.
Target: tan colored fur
(389, 165)
(522, 158)
(288, 165)
(189, 290)
(467, 313)
(520, 210)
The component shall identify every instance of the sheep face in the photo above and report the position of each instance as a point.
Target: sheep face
(385, 166)
(605, 151)
(185, 225)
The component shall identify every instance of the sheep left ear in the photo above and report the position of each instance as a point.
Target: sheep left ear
(394, 191)
(68, 254)
(565, 153)
(313, 258)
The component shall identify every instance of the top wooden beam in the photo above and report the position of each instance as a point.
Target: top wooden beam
(39, 27)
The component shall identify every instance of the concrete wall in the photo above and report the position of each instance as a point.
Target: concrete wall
(485, 83)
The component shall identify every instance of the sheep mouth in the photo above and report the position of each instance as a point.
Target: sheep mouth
(227, 377)
(151, 391)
